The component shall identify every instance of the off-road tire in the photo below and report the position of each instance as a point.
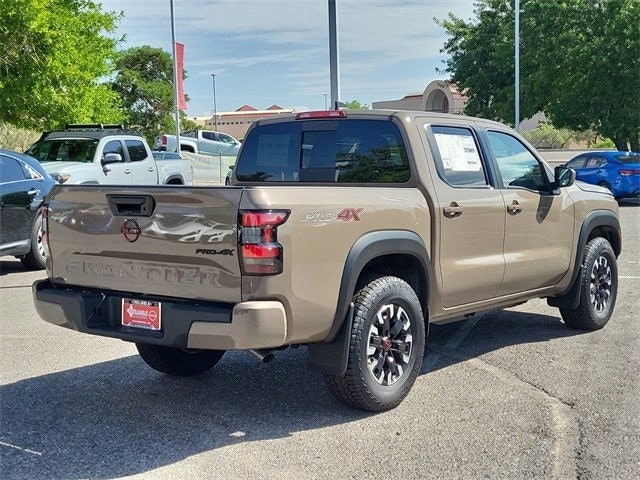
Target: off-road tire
(357, 387)
(586, 316)
(178, 361)
(35, 260)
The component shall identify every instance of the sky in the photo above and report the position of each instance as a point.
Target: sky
(267, 52)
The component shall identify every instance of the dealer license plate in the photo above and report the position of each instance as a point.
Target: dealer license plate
(141, 314)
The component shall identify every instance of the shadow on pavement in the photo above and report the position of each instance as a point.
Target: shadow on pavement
(12, 266)
(491, 331)
(119, 417)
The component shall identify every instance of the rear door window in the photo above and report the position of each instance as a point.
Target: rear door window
(136, 150)
(458, 161)
(325, 151)
(10, 170)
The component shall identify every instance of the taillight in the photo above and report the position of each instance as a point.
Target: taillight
(321, 114)
(260, 252)
(163, 139)
(627, 172)
(44, 212)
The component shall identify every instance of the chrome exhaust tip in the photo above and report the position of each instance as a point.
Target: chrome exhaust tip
(263, 354)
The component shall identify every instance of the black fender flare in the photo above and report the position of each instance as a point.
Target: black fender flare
(331, 355)
(570, 298)
(174, 177)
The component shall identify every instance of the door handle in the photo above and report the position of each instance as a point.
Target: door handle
(453, 210)
(514, 208)
(33, 191)
(127, 170)
(150, 169)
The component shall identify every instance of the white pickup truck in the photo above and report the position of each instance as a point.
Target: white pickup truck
(200, 141)
(105, 154)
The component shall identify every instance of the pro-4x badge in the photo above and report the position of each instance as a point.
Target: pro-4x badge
(346, 214)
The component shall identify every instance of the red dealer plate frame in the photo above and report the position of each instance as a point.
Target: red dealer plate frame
(142, 314)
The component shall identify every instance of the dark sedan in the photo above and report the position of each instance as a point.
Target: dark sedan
(23, 187)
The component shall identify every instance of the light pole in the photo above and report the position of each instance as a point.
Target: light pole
(175, 77)
(517, 61)
(325, 101)
(215, 113)
(334, 62)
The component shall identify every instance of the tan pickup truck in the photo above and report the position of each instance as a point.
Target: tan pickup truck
(347, 231)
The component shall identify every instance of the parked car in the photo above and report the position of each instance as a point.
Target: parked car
(617, 171)
(200, 141)
(105, 154)
(24, 184)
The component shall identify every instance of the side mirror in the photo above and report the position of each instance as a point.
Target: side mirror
(111, 158)
(564, 177)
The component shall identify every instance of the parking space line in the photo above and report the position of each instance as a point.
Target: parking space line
(628, 277)
(21, 449)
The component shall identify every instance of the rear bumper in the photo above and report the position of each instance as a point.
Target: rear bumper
(185, 323)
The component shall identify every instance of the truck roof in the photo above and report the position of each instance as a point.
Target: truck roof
(392, 113)
(92, 131)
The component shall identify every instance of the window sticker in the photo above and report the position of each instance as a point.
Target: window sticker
(458, 152)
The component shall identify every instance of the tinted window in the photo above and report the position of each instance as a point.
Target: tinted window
(64, 150)
(137, 151)
(631, 158)
(10, 170)
(114, 146)
(517, 165)
(576, 162)
(342, 151)
(458, 157)
(166, 156)
(208, 135)
(593, 162)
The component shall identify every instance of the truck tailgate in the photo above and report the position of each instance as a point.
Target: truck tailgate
(168, 241)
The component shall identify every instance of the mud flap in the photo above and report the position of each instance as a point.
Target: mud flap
(331, 358)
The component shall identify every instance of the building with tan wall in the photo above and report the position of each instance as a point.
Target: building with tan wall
(237, 123)
(443, 96)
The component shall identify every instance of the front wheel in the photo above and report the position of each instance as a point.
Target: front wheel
(179, 362)
(386, 347)
(598, 288)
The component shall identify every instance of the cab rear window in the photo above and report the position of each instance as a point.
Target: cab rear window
(325, 151)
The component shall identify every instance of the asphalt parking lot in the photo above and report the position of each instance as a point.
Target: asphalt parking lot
(509, 394)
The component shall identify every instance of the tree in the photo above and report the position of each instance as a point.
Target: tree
(356, 105)
(144, 81)
(53, 55)
(580, 63)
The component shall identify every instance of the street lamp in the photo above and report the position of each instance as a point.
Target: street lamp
(215, 113)
(517, 64)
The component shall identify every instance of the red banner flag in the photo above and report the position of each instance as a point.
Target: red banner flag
(182, 103)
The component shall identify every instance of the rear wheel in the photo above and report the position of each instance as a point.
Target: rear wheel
(386, 347)
(605, 185)
(35, 259)
(180, 362)
(599, 287)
